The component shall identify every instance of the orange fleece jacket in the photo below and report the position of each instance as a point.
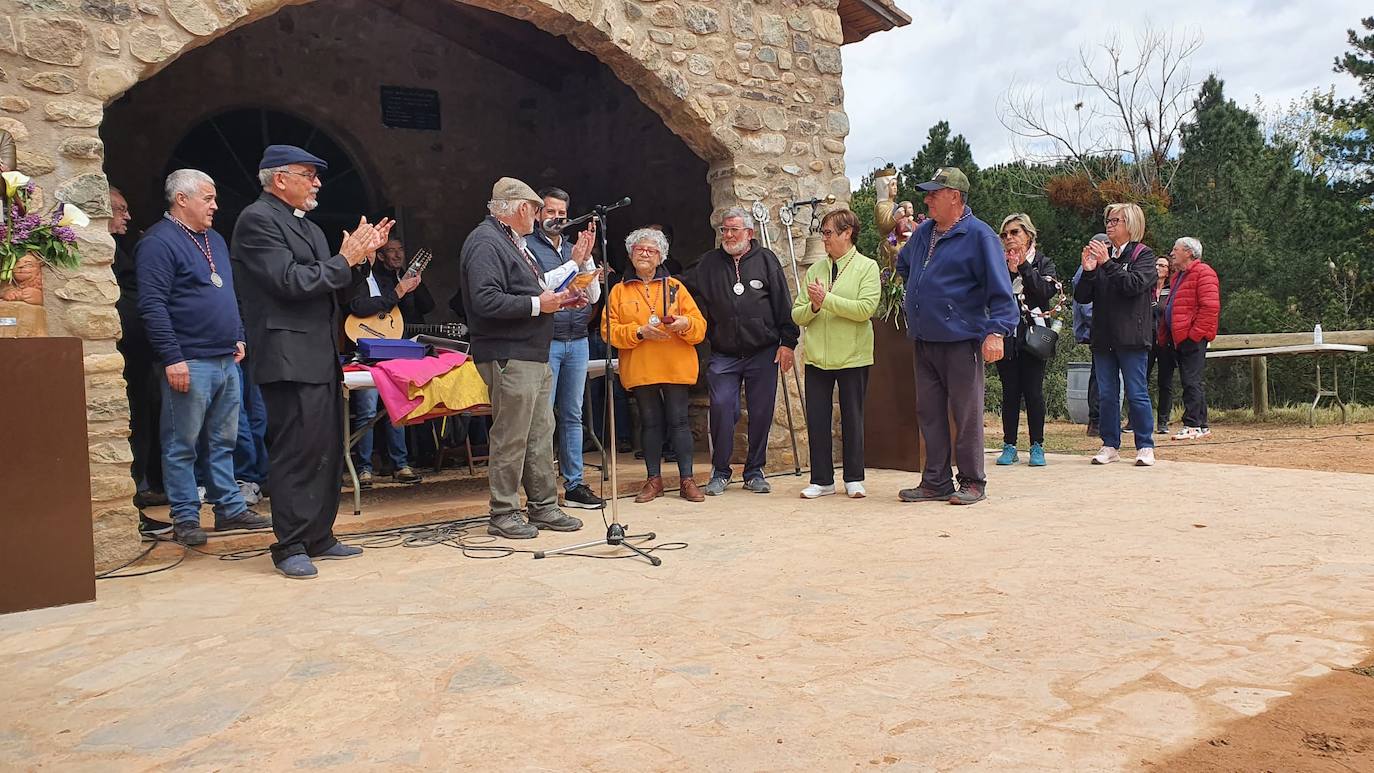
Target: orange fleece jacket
(673, 361)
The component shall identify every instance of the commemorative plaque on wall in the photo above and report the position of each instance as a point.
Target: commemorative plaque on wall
(408, 108)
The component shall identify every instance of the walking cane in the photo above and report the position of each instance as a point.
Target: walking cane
(785, 217)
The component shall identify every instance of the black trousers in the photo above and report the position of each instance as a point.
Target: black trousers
(1023, 381)
(820, 387)
(1192, 357)
(663, 415)
(1166, 358)
(305, 433)
(142, 386)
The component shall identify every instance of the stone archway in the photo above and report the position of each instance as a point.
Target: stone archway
(753, 89)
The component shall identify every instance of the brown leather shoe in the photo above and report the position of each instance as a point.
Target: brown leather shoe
(690, 491)
(651, 490)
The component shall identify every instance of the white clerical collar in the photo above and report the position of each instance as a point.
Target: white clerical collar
(298, 212)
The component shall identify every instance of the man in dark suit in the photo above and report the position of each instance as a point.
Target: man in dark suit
(287, 292)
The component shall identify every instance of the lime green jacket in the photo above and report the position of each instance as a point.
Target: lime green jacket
(840, 335)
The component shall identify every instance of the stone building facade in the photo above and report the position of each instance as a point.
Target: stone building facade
(743, 99)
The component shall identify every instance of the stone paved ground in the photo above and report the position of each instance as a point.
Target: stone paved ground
(1082, 619)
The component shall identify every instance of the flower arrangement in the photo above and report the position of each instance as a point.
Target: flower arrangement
(48, 236)
(890, 308)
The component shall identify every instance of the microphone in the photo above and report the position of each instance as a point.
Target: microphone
(559, 225)
(1101, 238)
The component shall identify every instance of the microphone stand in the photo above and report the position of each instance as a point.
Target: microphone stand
(615, 530)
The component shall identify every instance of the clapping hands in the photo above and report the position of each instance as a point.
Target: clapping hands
(1094, 254)
(816, 292)
(363, 242)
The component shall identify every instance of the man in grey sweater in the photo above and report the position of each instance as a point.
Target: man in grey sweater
(510, 319)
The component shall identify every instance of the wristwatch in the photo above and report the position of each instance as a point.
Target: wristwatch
(639, 333)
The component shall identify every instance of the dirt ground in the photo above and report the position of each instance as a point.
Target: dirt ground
(1326, 726)
(1332, 447)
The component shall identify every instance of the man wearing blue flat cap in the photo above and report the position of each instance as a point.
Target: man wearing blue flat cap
(287, 295)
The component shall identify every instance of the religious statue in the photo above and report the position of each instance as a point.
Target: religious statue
(887, 215)
(26, 284)
(8, 161)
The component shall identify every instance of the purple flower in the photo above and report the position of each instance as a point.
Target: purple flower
(65, 233)
(29, 188)
(25, 226)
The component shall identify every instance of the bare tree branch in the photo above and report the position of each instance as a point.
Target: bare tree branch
(1125, 117)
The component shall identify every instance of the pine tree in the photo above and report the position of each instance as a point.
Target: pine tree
(1351, 146)
(940, 150)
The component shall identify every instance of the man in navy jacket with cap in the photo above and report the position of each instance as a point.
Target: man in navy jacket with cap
(959, 306)
(287, 284)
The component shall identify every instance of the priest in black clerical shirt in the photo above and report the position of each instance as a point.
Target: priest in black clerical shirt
(288, 281)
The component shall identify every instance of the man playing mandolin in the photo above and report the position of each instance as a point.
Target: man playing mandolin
(383, 288)
(380, 289)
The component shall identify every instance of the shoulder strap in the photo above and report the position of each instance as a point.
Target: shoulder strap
(1135, 253)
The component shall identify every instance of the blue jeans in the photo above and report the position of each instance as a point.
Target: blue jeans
(250, 454)
(568, 360)
(1113, 366)
(364, 403)
(205, 416)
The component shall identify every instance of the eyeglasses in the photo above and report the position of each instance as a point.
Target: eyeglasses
(1010, 232)
(645, 249)
(313, 175)
(827, 232)
(1111, 221)
(731, 229)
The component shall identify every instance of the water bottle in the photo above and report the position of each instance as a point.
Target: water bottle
(1317, 334)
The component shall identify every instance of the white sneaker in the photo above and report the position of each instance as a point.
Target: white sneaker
(1204, 432)
(855, 489)
(1107, 455)
(1145, 457)
(813, 491)
(1188, 433)
(200, 493)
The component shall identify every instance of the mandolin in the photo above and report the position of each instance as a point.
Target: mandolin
(389, 324)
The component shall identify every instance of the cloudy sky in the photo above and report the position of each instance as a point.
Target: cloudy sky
(956, 60)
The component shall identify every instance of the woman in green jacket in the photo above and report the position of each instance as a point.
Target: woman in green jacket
(841, 296)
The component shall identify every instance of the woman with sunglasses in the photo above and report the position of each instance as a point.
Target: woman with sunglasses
(1118, 279)
(1035, 285)
(841, 295)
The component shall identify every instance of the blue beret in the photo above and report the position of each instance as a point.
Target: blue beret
(281, 155)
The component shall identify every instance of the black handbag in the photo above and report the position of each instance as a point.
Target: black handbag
(1040, 341)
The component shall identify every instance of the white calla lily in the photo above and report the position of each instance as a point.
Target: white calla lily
(14, 181)
(72, 215)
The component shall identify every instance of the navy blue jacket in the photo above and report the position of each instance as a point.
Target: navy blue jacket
(568, 324)
(185, 315)
(964, 292)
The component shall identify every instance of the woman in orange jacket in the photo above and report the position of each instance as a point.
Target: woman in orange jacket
(654, 323)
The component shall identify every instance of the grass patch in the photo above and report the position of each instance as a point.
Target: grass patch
(1289, 414)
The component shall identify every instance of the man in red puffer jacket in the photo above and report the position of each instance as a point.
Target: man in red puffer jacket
(1190, 321)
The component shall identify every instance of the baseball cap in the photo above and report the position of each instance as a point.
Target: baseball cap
(946, 177)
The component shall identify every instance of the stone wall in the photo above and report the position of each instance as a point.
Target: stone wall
(592, 137)
(753, 88)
